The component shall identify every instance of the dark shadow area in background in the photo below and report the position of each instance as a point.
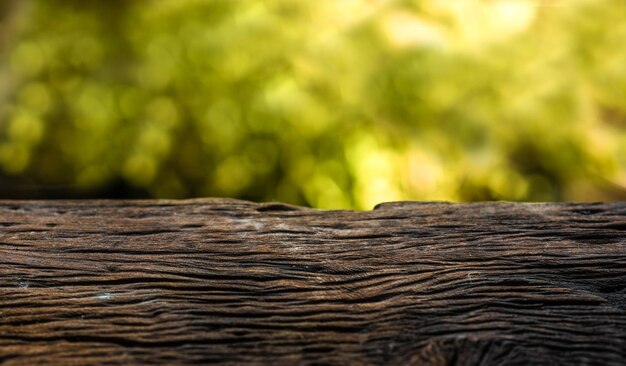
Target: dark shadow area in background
(22, 189)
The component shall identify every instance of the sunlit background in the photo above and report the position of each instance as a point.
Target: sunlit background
(326, 103)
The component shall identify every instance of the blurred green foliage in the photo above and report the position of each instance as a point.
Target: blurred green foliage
(329, 103)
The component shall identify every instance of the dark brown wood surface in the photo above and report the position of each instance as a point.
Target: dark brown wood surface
(203, 281)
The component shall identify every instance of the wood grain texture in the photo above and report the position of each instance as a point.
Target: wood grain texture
(214, 280)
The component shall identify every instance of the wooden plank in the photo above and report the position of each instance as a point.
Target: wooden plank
(215, 280)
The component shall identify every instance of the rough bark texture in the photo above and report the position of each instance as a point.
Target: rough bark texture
(202, 281)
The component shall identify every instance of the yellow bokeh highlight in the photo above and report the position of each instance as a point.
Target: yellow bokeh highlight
(14, 157)
(140, 169)
(25, 127)
(376, 170)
